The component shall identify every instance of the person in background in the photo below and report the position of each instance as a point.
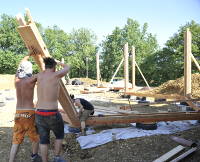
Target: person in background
(24, 121)
(86, 109)
(48, 117)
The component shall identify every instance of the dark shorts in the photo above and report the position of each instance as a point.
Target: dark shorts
(45, 124)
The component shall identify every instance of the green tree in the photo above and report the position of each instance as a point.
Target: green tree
(57, 42)
(169, 62)
(10, 39)
(82, 43)
(112, 48)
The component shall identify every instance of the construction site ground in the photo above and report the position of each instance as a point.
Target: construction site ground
(142, 149)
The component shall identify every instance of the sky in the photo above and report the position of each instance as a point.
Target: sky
(164, 17)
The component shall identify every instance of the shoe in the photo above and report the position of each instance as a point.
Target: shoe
(36, 158)
(59, 159)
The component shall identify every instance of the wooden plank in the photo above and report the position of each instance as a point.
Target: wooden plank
(98, 69)
(32, 38)
(28, 14)
(182, 156)
(170, 154)
(133, 67)
(164, 102)
(139, 118)
(183, 141)
(68, 106)
(126, 72)
(147, 94)
(187, 63)
(195, 61)
(116, 70)
(20, 19)
(142, 75)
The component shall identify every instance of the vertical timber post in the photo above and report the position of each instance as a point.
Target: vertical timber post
(98, 70)
(133, 67)
(187, 63)
(126, 74)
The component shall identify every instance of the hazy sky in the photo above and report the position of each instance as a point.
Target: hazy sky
(164, 17)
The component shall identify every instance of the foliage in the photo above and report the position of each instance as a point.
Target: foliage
(83, 52)
(168, 63)
(112, 48)
(9, 37)
(9, 62)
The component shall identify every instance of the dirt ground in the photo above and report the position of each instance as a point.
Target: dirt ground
(142, 149)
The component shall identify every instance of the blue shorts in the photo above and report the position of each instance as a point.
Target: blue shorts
(45, 124)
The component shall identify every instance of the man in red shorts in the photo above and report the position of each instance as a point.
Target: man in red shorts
(47, 116)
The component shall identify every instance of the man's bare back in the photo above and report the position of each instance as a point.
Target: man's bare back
(47, 90)
(25, 92)
(48, 87)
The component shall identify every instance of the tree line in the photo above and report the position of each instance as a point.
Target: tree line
(79, 48)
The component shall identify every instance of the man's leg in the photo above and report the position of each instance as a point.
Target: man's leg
(58, 144)
(44, 152)
(83, 128)
(13, 152)
(35, 146)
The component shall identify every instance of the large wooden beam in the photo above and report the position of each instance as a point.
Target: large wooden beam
(32, 38)
(147, 94)
(98, 70)
(133, 67)
(139, 118)
(126, 72)
(187, 63)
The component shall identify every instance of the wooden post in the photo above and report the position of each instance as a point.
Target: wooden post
(126, 74)
(98, 70)
(187, 63)
(133, 67)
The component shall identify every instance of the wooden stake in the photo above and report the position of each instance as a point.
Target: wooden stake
(117, 70)
(195, 61)
(98, 70)
(187, 63)
(126, 73)
(133, 67)
(142, 75)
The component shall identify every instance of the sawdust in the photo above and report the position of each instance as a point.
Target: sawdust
(177, 86)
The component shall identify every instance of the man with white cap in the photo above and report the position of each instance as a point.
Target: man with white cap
(25, 111)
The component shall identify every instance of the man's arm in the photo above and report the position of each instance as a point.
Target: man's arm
(62, 72)
(33, 79)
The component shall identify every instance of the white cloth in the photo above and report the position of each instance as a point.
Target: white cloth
(105, 136)
(24, 70)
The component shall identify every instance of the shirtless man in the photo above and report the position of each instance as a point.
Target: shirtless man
(25, 111)
(47, 115)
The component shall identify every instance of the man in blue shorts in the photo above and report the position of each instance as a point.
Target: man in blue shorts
(47, 116)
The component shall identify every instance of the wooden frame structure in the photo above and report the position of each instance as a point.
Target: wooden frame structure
(187, 76)
(32, 38)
